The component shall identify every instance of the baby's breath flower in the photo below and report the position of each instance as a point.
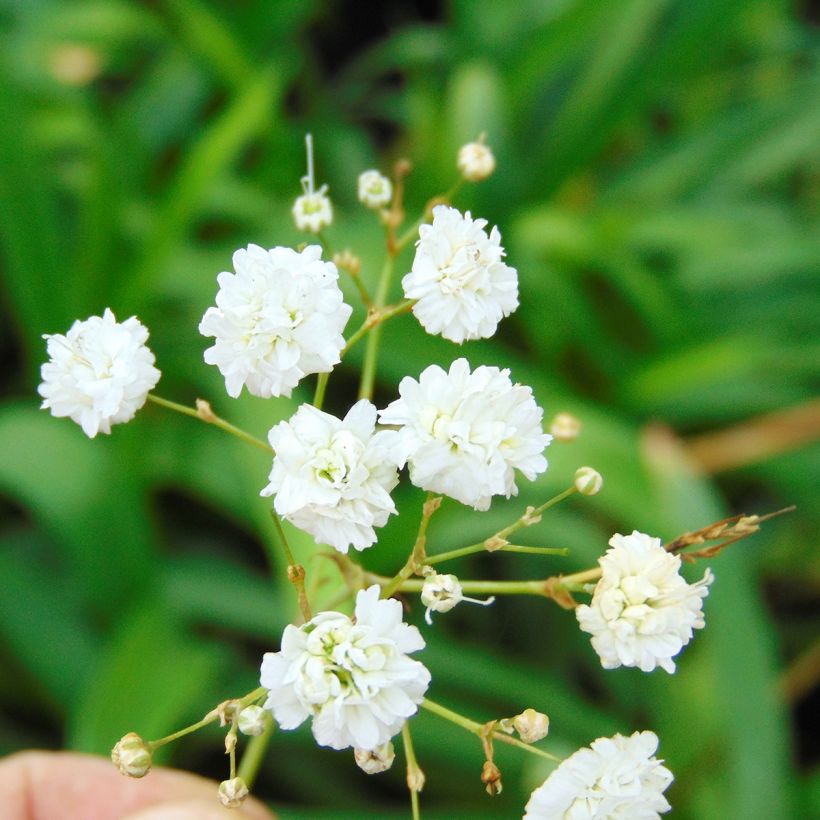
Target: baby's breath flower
(352, 677)
(565, 427)
(642, 611)
(277, 319)
(312, 211)
(475, 161)
(464, 434)
(440, 593)
(331, 477)
(375, 190)
(251, 720)
(616, 777)
(375, 761)
(99, 373)
(461, 285)
(531, 726)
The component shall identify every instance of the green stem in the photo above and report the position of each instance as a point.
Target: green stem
(254, 754)
(415, 776)
(212, 716)
(296, 572)
(478, 729)
(374, 318)
(482, 547)
(478, 587)
(321, 387)
(417, 555)
(203, 412)
(371, 355)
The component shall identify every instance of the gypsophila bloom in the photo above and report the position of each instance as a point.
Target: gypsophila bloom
(642, 611)
(99, 373)
(617, 778)
(462, 287)
(277, 319)
(464, 434)
(313, 211)
(353, 678)
(440, 593)
(475, 161)
(332, 478)
(375, 190)
(375, 761)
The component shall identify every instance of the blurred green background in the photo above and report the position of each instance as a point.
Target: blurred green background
(657, 190)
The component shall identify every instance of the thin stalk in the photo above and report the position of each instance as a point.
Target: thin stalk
(482, 547)
(479, 729)
(321, 387)
(296, 572)
(212, 716)
(375, 317)
(478, 587)
(415, 776)
(203, 412)
(254, 755)
(418, 554)
(371, 355)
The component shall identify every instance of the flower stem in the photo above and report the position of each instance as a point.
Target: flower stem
(482, 547)
(213, 715)
(479, 587)
(203, 412)
(375, 317)
(254, 754)
(479, 730)
(415, 776)
(296, 572)
(371, 355)
(417, 555)
(321, 387)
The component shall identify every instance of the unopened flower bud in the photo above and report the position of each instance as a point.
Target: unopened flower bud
(373, 761)
(588, 481)
(132, 756)
(312, 212)
(252, 720)
(415, 779)
(491, 778)
(475, 161)
(232, 792)
(531, 726)
(565, 427)
(375, 190)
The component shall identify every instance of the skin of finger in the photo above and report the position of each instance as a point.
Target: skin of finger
(72, 786)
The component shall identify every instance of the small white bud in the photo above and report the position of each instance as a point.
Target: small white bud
(252, 720)
(565, 427)
(475, 161)
(132, 756)
(375, 190)
(312, 212)
(232, 792)
(588, 481)
(374, 761)
(440, 593)
(531, 726)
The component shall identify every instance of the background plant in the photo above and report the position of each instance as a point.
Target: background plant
(657, 191)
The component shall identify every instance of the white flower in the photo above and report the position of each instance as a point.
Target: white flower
(375, 190)
(99, 373)
(278, 318)
(353, 679)
(642, 611)
(475, 161)
(464, 434)
(440, 593)
(462, 287)
(312, 212)
(333, 478)
(617, 778)
(375, 761)
(588, 481)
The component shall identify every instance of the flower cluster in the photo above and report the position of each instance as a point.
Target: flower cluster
(99, 373)
(616, 777)
(464, 434)
(462, 287)
(277, 319)
(642, 611)
(333, 478)
(353, 678)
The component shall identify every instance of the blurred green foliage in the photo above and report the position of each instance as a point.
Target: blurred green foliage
(657, 191)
